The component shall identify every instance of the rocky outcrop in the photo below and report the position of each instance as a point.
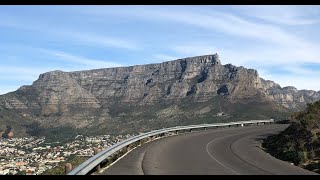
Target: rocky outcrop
(111, 96)
(289, 96)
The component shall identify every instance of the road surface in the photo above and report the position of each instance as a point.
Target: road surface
(222, 151)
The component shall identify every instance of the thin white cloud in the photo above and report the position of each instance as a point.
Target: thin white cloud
(264, 56)
(298, 81)
(226, 23)
(301, 71)
(285, 15)
(87, 38)
(88, 62)
(267, 43)
(93, 39)
(212, 20)
(284, 47)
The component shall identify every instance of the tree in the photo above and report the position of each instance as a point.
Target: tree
(21, 173)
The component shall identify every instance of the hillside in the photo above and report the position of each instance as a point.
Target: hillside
(300, 142)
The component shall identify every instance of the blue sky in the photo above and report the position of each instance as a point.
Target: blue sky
(281, 42)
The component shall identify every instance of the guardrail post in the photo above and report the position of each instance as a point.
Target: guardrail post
(190, 130)
(67, 168)
(241, 125)
(96, 151)
(205, 128)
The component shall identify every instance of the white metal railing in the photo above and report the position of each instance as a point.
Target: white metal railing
(95, 160)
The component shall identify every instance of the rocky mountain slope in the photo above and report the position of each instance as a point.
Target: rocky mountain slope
(143, 97)
(300, 142)
(289, 96)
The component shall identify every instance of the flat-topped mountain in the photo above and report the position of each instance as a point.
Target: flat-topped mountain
(143, 97)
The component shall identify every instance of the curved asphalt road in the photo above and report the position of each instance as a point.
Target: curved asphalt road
(224, 151)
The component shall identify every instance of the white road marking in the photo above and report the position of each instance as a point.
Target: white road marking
(207, 148)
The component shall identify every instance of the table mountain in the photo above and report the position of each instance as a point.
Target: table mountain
(143, 97)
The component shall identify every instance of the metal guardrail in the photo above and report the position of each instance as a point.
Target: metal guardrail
(95, 160)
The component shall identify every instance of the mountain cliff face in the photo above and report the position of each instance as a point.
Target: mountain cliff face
(142, 97)
(289, 96)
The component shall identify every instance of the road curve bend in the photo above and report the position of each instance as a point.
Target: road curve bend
(221, 151)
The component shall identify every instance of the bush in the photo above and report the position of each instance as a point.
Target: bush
(299, 142)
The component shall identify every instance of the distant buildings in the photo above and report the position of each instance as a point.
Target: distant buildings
(33, 156)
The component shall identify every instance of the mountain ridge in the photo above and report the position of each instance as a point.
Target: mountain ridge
(155, 95)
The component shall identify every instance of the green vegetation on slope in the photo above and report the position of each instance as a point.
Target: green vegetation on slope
(127, 119)
(300, 142)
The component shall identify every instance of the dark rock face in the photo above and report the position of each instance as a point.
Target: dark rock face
(223, 90)
(114, 96)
